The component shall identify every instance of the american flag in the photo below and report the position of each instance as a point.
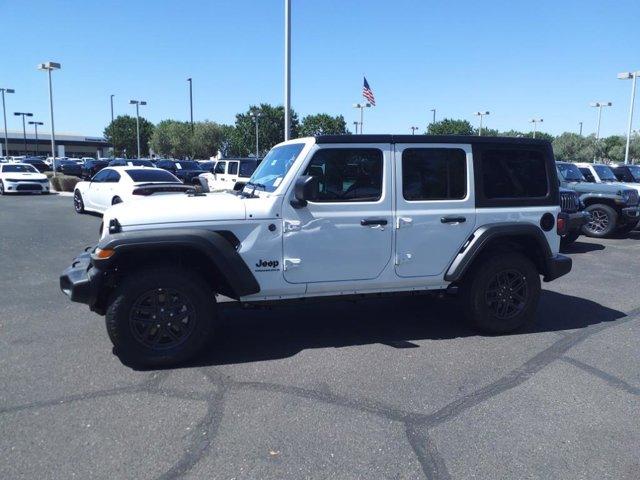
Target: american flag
(368, 93)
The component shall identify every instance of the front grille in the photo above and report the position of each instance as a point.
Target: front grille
(569, 202)
(633, 197)
(28, 187)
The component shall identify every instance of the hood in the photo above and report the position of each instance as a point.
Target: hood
(586, 187)
(25, 175)
(178, 208)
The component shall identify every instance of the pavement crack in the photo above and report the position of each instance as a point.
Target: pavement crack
(607, 377)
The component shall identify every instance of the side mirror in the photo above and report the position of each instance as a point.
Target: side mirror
(305, 189)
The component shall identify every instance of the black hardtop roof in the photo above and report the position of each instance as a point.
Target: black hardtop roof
(322, 139)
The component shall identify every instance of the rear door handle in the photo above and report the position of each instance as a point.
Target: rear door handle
(369, 222)
(453, 219)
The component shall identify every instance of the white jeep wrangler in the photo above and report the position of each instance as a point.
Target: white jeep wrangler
(331, 217)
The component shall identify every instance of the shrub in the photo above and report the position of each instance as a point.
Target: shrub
(64, 183)
(49, 175)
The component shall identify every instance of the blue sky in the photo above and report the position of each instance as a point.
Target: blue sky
(517, 59)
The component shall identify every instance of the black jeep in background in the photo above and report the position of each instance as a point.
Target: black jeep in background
(573, 217)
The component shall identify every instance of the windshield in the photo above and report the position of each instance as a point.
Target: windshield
(635, 172)
(19, 169)
(605, 173)
(570, 172)
(188, 165)
(151, 175)
(275, 166)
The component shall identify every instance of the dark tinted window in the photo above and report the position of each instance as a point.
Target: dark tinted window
(169, 165)
(588, 176)
(347, 174)
(514, 173)
(19, 169)
(434, 174)
(233, 168)
(112, 177)
(188, 165)
(151, 175)
(247, 168)
(101, 176)
(220, 166)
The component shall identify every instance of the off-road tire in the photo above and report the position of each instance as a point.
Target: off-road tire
(1, 188)
(602, 223)
(78, 203)
(481, 306)
(569, 239)
(123, 324)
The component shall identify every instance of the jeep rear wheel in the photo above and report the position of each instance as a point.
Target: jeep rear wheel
(160, 317)
(501, 293)
(602, 222)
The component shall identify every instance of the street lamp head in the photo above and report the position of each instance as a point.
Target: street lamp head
(49, 66)
(133, 102)
(7, 90)
(143, 103)
(625, 75)
(481, 113)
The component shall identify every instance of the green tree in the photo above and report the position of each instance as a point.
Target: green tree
(612, 148)
(323, 124)
(571, 147)
(173, 138)
(208, 138)
(271, 130)
(487, 132)
(449, 126)
(121, 133)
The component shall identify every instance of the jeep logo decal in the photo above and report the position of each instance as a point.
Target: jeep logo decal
(267, 265)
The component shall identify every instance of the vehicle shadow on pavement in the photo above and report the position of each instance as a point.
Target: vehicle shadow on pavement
(583, 247)
(249, 336)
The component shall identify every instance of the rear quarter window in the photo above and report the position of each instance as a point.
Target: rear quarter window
(519, 175)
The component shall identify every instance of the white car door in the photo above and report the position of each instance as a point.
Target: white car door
(232, 174)
(91, 196)
(346, 232)
(435, 206)
(220, 172)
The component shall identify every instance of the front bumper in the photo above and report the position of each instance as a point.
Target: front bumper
(556, 266)
(81, 281)
(26, 186)
(573, 221)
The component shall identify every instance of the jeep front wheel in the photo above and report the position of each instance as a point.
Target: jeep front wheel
(501, 293)
(602, 222)
(160, 317)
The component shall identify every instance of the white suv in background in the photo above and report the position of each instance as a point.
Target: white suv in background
(229, 174)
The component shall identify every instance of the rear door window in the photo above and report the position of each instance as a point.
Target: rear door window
(232, 169)
(588, 176)
(434, 174)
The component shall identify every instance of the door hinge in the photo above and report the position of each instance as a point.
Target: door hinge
(291, 226)
(404, 222)
(290, 263)
(403, 258)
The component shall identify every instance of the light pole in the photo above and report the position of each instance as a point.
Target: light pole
(287, 69)
(35, 125)
(481, 115)
(580, 123)
(256, 115)
(433, 111)
(113, 145)
(4, 114)
(191, 100)
(413, 130)
(112, 95)
(355, 124)
(24, 127)
(49, 67)
(361, 106)
(629, 76)
(599, 106)
(535, 122)
(137, 103)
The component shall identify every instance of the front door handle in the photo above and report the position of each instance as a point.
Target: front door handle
(453, 219)
(370, 222)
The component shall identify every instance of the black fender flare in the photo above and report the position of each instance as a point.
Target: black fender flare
(213, 245)
(485, 234)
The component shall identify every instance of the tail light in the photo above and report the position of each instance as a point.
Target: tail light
(561, 225)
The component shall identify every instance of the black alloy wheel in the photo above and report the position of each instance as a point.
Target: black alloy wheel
(161, 319)
(507, 293)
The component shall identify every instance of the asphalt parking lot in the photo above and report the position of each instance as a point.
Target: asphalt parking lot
(393, 389)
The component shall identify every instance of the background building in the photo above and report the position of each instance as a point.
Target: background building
(67, 145)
